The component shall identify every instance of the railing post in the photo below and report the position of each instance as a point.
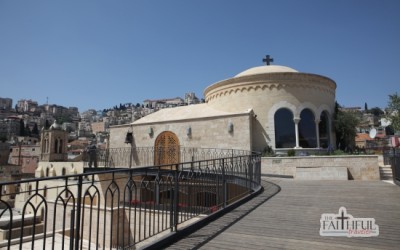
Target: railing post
(224, 183)
(72, 236)
(78, 213)
(176, 198)
(106, 155)
(250, 171)
(394, 165)
(130, 156)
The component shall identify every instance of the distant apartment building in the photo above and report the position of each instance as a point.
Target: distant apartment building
(27, 140)
(84, 129)
(370, 120)
(4, 152)
(57, 110)
(88, 115)
(99, 127)
(9, 173)
(190, 98)
(26, 156)
(163, 103)
(113, 113)
(68, 126)
(5, 104)
(27, 106)
(9, 127)
(73, 111)
(350, 109)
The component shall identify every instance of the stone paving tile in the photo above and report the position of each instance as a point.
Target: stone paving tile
(291, 218)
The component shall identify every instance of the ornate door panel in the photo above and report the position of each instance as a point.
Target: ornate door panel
(166, 149)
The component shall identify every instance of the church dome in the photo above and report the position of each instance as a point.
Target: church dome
(266, 69)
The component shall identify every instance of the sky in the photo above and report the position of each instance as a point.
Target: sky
(101, 53)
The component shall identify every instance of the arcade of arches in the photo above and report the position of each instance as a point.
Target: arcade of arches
(303, 132)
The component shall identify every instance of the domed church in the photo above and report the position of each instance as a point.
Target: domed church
(266, 106)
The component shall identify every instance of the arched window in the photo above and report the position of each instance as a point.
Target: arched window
(45, 192)
(64, 171)
(285, 135)
(47, 172)
(324, 129)
(307, 130)
(60, 147)
(30, 189)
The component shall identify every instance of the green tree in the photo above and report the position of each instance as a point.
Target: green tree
(393, 111)
(376, 111)
(345, 124)
(27, 130)
(63, 118)
(35, 130)
(21, 127)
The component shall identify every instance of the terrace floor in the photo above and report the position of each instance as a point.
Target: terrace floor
(287, 216)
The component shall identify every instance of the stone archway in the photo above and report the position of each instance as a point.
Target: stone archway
(166, 149)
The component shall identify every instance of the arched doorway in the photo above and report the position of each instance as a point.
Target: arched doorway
(166, 149)
(307, 130)
(324, 130)
(285, 135)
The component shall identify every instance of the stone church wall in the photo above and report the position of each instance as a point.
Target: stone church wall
(204, 133)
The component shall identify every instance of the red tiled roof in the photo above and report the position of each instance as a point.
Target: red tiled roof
(362, 137)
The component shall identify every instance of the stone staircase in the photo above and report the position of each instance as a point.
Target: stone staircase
(386, 172)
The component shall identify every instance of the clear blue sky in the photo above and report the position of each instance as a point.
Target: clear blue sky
(98, 54)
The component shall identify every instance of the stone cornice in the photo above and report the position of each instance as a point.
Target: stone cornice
(270, 81)
(248, 114)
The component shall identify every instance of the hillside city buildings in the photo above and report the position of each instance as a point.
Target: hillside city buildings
(20, 127)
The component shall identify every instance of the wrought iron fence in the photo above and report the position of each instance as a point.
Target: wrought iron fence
(119, 208)
(145, 156)
(391, 156)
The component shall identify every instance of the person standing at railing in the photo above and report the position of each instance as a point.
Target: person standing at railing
(92, 151)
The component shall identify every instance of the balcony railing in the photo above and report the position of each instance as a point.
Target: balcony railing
(119, 208)
(391, 156)
(145, 156)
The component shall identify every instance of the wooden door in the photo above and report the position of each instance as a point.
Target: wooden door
(166, 149)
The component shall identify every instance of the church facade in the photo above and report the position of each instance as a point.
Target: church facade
(266, 106)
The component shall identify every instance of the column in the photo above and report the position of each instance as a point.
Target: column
(296, 128)
(317, 121)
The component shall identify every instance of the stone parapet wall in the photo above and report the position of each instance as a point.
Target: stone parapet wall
(364, 167)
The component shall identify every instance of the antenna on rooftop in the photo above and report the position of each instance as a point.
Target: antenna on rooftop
(372, 133)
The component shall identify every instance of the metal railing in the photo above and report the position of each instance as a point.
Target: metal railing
(391, 156)
(119, 208)
(145, 156)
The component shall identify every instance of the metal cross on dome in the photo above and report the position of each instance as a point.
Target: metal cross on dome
(268, 59)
